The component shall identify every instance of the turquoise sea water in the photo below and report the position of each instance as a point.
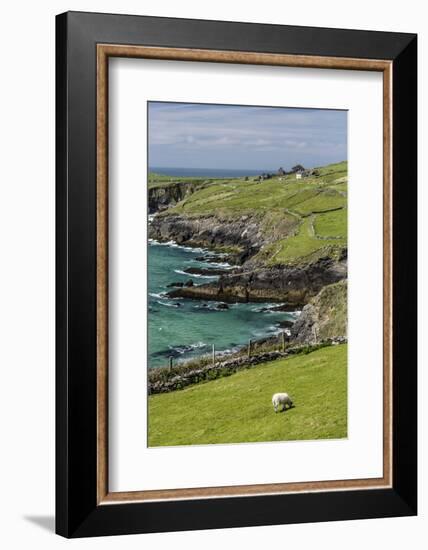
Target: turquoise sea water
(185, 329)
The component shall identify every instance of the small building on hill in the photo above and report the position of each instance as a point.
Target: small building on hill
(306, 174)
(302, 174)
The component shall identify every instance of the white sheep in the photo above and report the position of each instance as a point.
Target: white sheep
(281, 400)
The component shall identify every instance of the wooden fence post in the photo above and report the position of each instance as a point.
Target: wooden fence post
(213, 355)
(249, 349)
(170, 363)
(283, 340)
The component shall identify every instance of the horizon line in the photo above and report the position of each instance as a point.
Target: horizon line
(240, 168)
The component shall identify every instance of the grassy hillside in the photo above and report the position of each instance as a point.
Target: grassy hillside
(302, 219)
(234, 196)
(305, 244)
(161, 180)
(332, 224)
(239, 409)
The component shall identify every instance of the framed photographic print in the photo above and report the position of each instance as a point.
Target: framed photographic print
(236, 274)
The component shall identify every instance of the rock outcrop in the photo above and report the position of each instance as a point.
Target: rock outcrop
(243, 234)
(292, 285)
(324, 317)
(318, 287)
(161, 197)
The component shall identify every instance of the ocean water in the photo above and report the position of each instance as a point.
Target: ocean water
(206, 172)
(185, 329)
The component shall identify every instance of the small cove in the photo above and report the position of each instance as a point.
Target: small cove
(184, 329)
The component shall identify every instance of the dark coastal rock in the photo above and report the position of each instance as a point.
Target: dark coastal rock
(175, 284)
(293, 286)
(210, 271)
(286, 323)
(213, 259)
(325, 317)
(246, 254)
(222, 305)
(162, 196)
(243, 234)
(280, 307)
(305, 328)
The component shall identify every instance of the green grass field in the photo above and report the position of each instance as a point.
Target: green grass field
(303, 245)
(303, 219)
(238, 408)
(332, 224)
(237, 196)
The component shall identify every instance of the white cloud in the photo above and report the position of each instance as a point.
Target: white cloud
(247, 132)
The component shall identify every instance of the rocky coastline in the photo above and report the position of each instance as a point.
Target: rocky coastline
(239, 239)
(249, 281)
(292, 286)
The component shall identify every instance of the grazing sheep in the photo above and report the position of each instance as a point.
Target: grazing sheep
(281, 400)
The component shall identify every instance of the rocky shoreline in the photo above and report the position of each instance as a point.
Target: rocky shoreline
(249, 281)
(239, 239)
(290, 285)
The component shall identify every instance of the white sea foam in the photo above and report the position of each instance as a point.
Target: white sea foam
(167, 304)
(192, 249)
(155, 295)
(296, 314)
(186, 348)
(260, 309)
(180, 272)
(198, 345)
(224, 265)
(197, 275)
(173, 244)
(272, 308)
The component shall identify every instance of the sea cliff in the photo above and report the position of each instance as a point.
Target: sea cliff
(286, 241)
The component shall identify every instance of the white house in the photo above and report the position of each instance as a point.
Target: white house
(303, 174)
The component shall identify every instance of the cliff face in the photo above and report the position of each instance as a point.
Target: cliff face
(293, 285)
(241, 234)
(163, 196)
(324, 317)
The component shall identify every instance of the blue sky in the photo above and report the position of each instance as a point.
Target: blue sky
(190, 135)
